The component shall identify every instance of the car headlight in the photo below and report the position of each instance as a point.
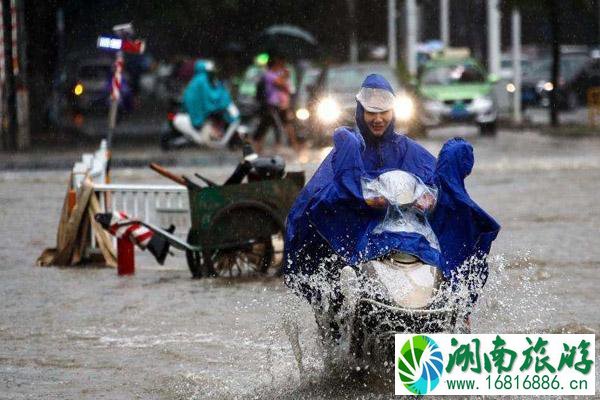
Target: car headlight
(78, 89)
(328, 110)
(404, 108)
(302, 114)
(433, 105)
(482, 103)
(544, 86)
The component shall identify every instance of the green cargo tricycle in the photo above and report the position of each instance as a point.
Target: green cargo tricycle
(237, 228)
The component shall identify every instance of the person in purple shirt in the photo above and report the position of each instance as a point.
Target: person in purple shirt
(273, 95)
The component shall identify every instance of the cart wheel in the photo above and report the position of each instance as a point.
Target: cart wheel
(261, 255)
(256, 257)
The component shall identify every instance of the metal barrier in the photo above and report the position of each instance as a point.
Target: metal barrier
(160, 205)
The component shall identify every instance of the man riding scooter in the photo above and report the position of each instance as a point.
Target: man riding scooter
(339, 221)
(208, 117)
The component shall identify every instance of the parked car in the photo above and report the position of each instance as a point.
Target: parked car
(307, 81)
(506, 65)
(537, 84)
(457, 90)
(332, 99)
(90, 86)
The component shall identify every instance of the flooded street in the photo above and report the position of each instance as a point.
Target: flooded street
(85, 333)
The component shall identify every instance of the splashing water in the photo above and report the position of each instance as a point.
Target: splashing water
(528, 309)
(515, 299)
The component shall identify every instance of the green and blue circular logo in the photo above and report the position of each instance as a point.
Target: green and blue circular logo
(420, 364)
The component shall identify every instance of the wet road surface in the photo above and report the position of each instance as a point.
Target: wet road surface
(84, 333)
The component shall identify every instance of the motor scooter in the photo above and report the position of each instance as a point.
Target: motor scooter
(395, 293)
(216, 132)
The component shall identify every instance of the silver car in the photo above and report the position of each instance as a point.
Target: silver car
(333, 100)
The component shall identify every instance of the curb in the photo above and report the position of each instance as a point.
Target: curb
(35, 163)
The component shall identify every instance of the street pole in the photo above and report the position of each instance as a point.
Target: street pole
(3, 133)
(392, 35)
(9, 96)
(493, 22)
(444, 22)
(516, 59)
(411, 36)
(21, 82)
(120, 43)
(555, 28)
(57, 101)
(352, 24)
(115, 96)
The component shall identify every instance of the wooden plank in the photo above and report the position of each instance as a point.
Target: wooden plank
(103, 239)
(70, 237)
(83, 239)
(64, 218)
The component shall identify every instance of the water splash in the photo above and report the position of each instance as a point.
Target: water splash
(515, 299)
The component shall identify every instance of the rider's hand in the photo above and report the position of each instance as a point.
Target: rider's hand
(377, 202)
(426, 202)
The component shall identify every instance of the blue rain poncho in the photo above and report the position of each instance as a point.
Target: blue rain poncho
(465, 231)
(330, 214)
(331, 218)
(201, 97)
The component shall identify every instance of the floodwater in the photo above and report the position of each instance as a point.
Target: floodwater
(84, 333)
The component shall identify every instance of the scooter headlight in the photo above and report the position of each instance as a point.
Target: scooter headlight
(406, 284)
(328, 110)
(404, 108)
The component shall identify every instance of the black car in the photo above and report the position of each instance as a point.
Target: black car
(588, 77)
(537, 83)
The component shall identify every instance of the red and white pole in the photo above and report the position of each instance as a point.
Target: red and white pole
(128, 233)
(115, 96)
(125, 257)
(115, 93)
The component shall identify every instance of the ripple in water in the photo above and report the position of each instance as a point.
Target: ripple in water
(295, 364)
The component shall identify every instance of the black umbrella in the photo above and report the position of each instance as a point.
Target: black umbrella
(288, 41)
